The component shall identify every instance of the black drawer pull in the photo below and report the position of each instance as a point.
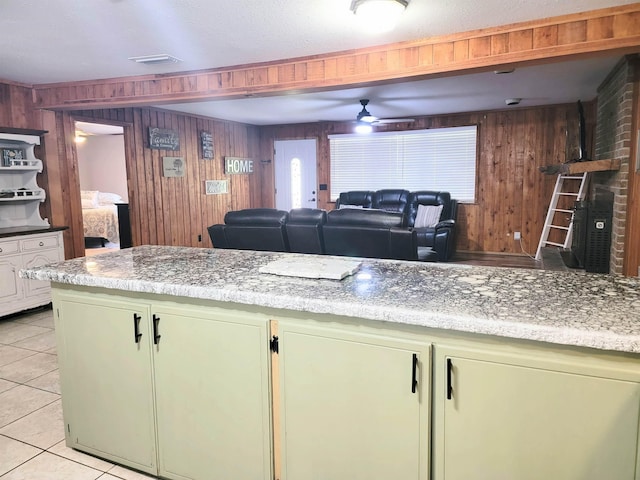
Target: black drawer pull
(41, 244)
(414, 372)
(449, 385)
(156, 337)
(136, 328)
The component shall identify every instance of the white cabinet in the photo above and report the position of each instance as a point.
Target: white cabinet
(20, 195)
(212, 376)
(26, 251)
(353, 405)
(175, 390)
(526, 417)
(107, 382)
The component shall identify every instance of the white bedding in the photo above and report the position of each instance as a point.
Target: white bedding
(101, 222)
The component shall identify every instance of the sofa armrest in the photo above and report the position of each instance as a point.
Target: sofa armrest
(449, 223)
(403, 243)
(218, 237)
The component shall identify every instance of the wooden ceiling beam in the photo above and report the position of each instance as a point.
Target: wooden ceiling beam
(610, 31)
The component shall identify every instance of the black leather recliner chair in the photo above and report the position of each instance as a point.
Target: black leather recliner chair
(304, 230)
(441, 237)
(369, 233)
(252, 229)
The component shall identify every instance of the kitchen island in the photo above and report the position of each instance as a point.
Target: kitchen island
(190, 363)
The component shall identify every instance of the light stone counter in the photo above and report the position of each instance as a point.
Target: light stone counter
(598, 311)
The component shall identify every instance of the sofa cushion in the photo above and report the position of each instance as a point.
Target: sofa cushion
(304, 230)
(257, 216)
(428, 216)
(355, 197)
(365, 218)
(391, 200)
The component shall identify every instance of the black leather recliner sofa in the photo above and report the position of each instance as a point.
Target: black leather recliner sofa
(379, 224)
(358, 233)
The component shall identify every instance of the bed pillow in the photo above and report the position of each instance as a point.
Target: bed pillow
(427, 216)
(106, 198)
(87, 203)
(89, 198)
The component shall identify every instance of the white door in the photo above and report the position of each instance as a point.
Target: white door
(296, 185)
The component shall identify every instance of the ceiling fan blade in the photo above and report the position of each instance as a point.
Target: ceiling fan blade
(394, 120)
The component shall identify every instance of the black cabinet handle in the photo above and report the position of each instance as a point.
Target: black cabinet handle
(449, 386)
(156, 337)
(414, 372)
(136, 328)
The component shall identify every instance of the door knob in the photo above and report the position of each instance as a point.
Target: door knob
(312, 200)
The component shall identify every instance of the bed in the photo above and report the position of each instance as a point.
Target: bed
(100, 216)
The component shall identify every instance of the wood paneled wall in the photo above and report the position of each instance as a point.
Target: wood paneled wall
(16, 107)
(164, 210)
(511, 193)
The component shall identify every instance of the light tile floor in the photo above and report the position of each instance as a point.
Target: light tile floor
(32, 443)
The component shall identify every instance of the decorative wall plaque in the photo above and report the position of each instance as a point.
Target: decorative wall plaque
(163, 139)
(216, 187)
(173, 166)
(206, 140)
(235, 165)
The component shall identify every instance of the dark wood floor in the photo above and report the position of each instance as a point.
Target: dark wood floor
(496, 260)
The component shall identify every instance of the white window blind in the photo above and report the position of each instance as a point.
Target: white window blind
(441, 159)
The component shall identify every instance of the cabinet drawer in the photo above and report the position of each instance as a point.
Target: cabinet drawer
(32, 244)
(8, 248)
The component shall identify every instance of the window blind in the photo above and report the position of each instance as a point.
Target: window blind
(441, 159)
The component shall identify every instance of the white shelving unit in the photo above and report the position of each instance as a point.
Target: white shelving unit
(20, 195)
(26, 239)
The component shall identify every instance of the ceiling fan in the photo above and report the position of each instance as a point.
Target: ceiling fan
(365, 117)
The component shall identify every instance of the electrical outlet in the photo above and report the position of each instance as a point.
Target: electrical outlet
(516, 235)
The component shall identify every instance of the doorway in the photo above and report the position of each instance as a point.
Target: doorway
(295, 172)
(103, 183)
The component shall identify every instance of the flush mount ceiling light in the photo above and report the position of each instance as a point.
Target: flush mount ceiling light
(155, 59)
(378, 15)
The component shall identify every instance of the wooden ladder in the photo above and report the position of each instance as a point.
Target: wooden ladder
(559, 192)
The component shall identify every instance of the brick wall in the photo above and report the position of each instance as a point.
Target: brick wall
(613, 140)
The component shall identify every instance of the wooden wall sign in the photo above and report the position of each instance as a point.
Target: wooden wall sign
(173, 166)
(216, 187)
(235, 165)
(206, 140)
(163, 139)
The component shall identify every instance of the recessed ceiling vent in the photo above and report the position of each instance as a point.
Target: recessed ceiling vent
(155, 59)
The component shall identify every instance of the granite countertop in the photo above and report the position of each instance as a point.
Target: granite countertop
(599, 311)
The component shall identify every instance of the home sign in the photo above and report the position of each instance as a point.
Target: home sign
(234, 165)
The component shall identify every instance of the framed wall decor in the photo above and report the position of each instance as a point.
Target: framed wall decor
(206, 141)
(160, 138)
(173, 166)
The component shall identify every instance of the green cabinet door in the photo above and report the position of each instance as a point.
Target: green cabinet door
(349, 406)
(106, 379)
(212, 393)
(514, 417)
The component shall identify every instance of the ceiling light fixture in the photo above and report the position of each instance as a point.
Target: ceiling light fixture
(155, 59)
(363, 127)
(378, 16)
